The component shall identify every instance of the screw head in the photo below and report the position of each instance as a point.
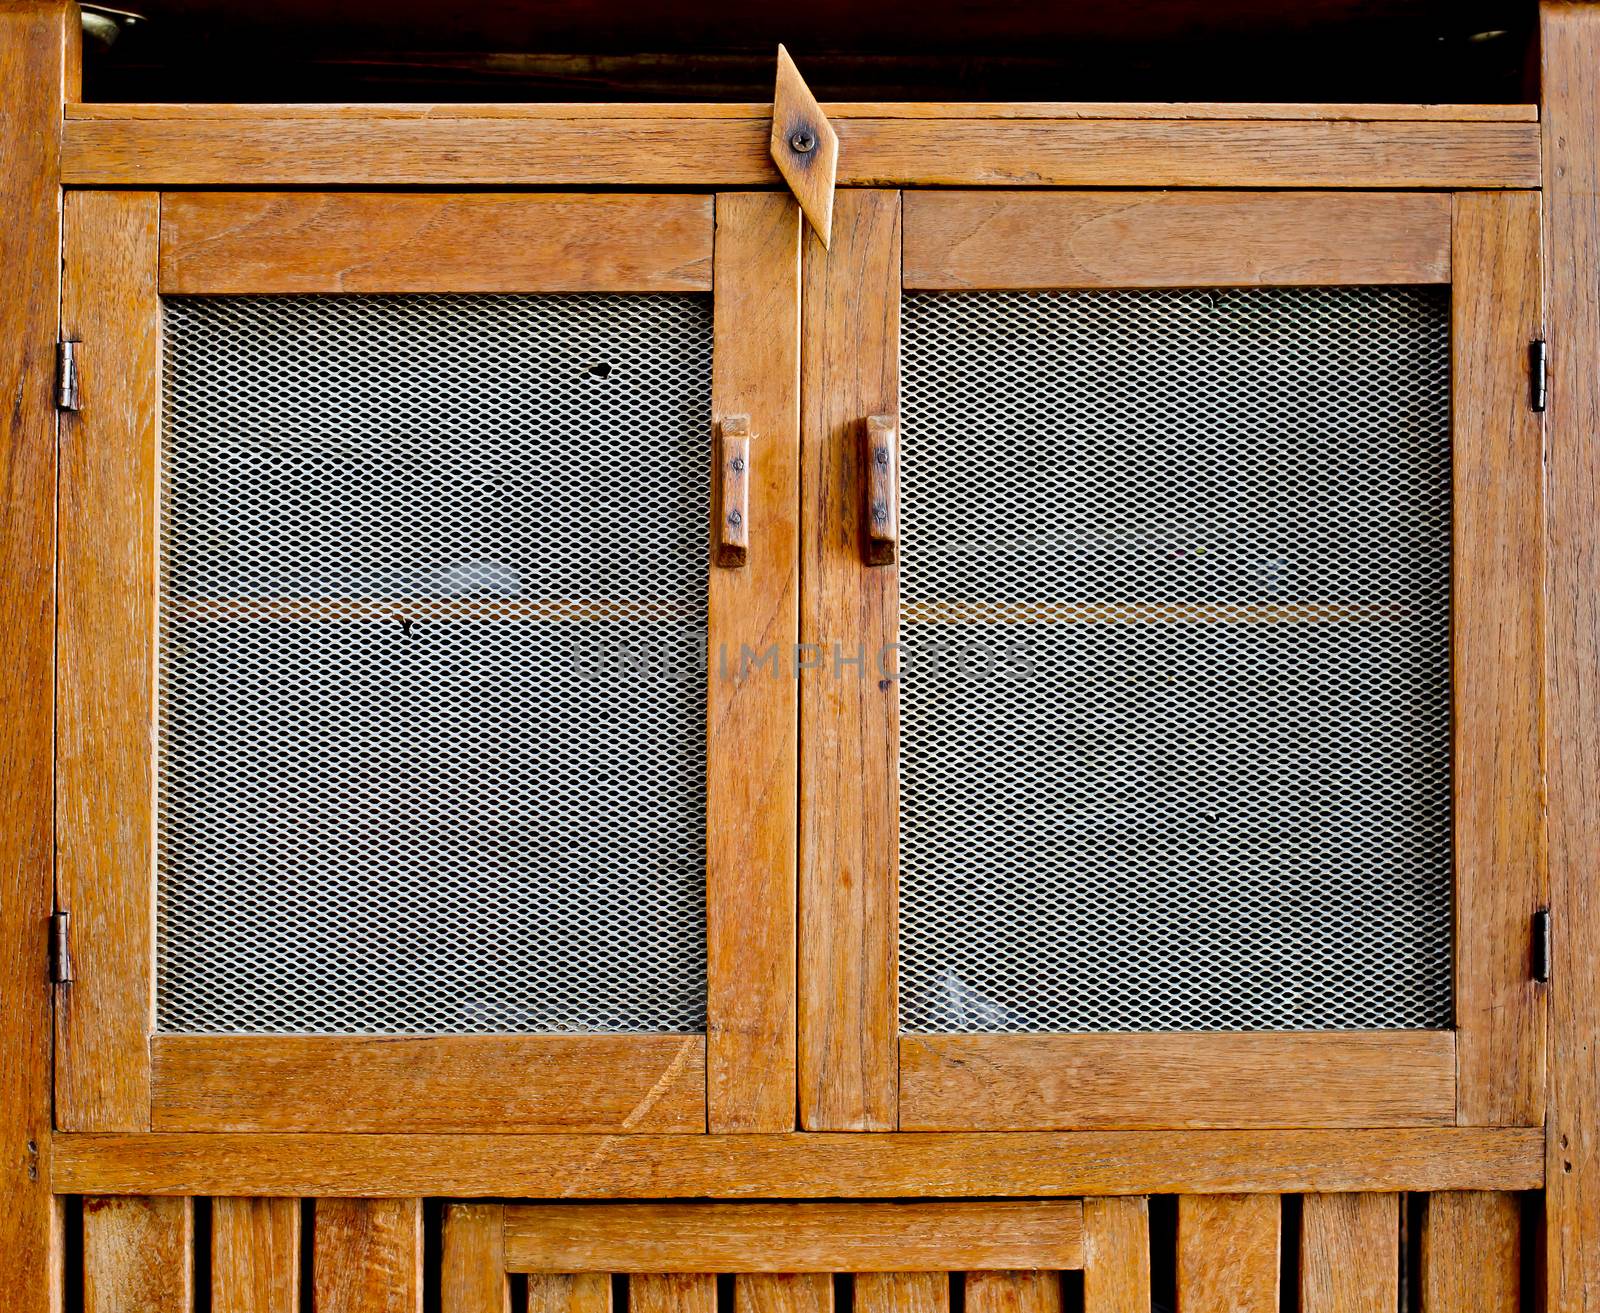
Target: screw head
(735, 519)
(803, 141)
(738, 464)
(881, 457)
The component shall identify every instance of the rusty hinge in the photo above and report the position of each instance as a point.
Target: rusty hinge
(1538, 374)
(60, 950)
(67, 375)
(1541, 946)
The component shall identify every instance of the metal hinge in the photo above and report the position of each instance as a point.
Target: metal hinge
(1541, 945)
(67, 375)
(60, 950)
(1538, 374)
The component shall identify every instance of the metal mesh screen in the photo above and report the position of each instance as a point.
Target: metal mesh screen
(1175, 712)
(432, 683)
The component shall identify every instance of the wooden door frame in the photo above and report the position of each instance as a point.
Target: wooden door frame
(124, 251)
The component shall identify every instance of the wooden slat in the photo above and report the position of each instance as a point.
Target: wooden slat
(1498, 607)
(472, 1270)
(367, 1256)
(216, 242)
(1570, 45)
(1045, 1082)
(801, 1166)
(255, 1255)
(681, 1292)
(791, 1292)
(580, 1292)
(138, 1255)
(799, 1237)
(1116, 1255)
(39, 71)
(622, 151)
(849, 703)
(490, 1083)
(1350, 1253)
(957, 240)
(1228, 1253)
(106, 664)
(1013, 1292)
(1472, 1254)
(751, 746)
(902, 1292)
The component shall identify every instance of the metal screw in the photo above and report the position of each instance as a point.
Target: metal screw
(735, 519)
(880, 512)
(803, 142)
(738, 464)
(881, 456)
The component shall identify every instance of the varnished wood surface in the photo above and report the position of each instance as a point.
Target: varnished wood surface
(801, 1166)
(751, 745)
(1013, 1292)
(484, 1083)
(1571, 74)
(902, 1292)
(667, 1292)
(1116, 1255)
(998, 240)
(1349, 1253)
(472, 1266)
(138, 1256)
(367, 1256)
(791, 1292)
(1228, 1253)
(1044, 1082)
(255, 1256)
(628, 151)
(849, 713)
(1499, 660)
(1472, 1253)
(804, 146)
(106, 662)
(237, 242)
(567, 1292)
(38, 71)
(942, 1236)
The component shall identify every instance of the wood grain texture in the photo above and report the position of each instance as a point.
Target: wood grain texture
(1350, 1253)
(1013, 1292)
(272, 150)
(804, 146)
(783, 1292)
(751, 734)
(669, 1292)
(255, 1255)
(580, 1292)
(233, 242)
(1498, 661)
(902, 1292)
(802, 1166)
(138, 1255)
(481, 1083)
(1472, 1253)
(849, 698)
(106, 661)
(1067, 1082)
(940, 1236)
(38, 69)
(367, 1256)
(472, 1269)
(998, 240)
(1116, 1255)
(1228, 1253)
(1571, 76)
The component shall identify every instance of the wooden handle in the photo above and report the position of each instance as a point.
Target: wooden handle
(733, 492)
(881, 520)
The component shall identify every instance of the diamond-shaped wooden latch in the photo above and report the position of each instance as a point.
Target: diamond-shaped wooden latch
(804, 146)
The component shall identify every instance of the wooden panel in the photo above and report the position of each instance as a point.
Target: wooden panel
(367, 1256)
(255, 1255)
(1040, 1082)
(801, 1166)
(1228, 1253)
(215, 242)
(793, 1292)
(582, 1292)
(1499, 660)
(672, 1293)
(1472, 1254)
(849, 699)
(38, 69)
(902, 1292)
(439, 1083)
(1571, 75)
(106, 671)
(1173, 239)
(1350, 1253)
(138, 1255)
(315, 151)
(472, 1269)
(1013, 1292)
(1116, 1255)
(750, 724)
(819, 1237)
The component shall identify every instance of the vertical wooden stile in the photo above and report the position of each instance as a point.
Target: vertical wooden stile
(1116, 1259)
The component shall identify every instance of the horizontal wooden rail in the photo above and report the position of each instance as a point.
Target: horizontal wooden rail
(888, 1166)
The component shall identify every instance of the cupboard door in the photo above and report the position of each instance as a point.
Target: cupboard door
(1172, 738)
(405, 779)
